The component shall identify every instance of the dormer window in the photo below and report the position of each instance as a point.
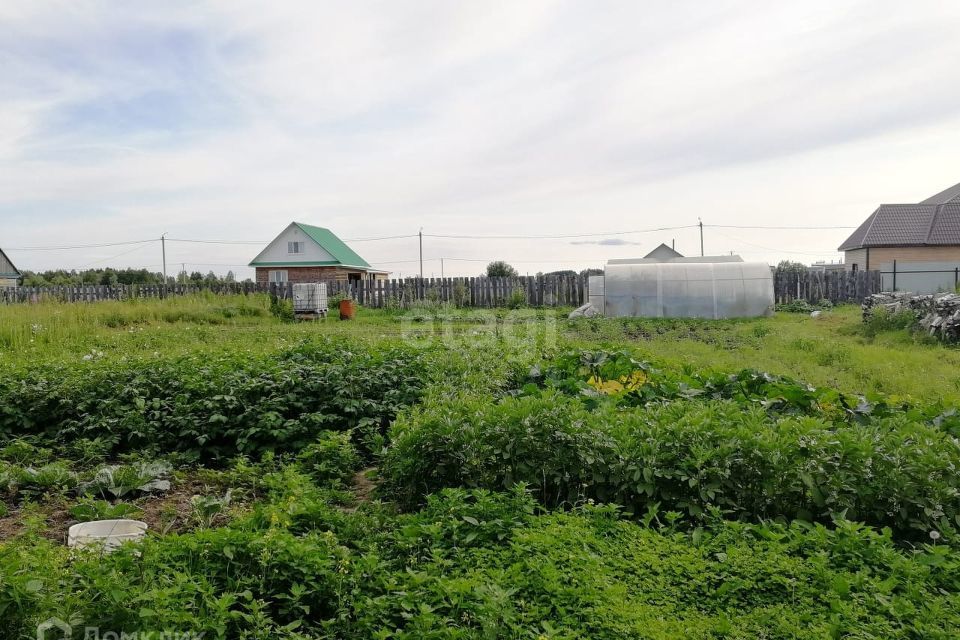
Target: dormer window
(295, 247)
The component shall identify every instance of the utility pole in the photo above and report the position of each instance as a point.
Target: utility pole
(421, 252)
(163, 249)
(701, 237)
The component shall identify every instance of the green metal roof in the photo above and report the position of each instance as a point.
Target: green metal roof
(343, 255)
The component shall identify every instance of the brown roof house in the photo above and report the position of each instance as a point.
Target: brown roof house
(916, 247)
(304, 253)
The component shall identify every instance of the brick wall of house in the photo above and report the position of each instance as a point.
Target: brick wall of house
(305, 274)
(884, 255)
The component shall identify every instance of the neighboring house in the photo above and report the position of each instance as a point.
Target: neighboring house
(828, 267)
(663, 253)
(304, 253)
(916, 247)
(9, 275)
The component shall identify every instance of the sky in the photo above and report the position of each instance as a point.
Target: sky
(226, 120)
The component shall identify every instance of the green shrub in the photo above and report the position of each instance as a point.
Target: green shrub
(689, 456)
(880, 321)
(331, 460)
(477, 564)
(517, 299)
(282, 309)
(216, 407)
(221, 582)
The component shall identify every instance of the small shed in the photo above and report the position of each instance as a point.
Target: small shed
(9, 274)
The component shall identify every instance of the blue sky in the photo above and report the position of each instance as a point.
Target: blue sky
(227, 120)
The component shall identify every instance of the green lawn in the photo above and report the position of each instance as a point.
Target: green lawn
(828, 351)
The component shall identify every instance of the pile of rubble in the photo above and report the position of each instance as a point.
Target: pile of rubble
(938, 315)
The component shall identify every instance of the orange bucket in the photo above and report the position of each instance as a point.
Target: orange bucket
(347, 309)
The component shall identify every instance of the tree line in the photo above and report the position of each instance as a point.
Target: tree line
(111, 276)
(501, 269)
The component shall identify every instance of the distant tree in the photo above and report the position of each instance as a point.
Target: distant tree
(99, 276)
(591, 272)
(564, 273)
(788, 266)
(500, 269)
(31, 279)
(230, 277)
(196, 277)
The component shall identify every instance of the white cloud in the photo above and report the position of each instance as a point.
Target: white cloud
(228, 119)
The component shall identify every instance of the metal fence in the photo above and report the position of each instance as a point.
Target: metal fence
(920, 280)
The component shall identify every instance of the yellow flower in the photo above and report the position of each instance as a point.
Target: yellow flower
(630, 382)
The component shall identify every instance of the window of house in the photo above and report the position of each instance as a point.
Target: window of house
(855, 267)
(278, 276)
(295, 247)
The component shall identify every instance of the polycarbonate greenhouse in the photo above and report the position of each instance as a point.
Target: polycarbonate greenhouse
(688, 290)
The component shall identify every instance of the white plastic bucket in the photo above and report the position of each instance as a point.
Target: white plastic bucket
(107, 534)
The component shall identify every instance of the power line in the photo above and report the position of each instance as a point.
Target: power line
(217, 241)
(128, 251)
(412, 235)
(760, 246)
(737, 226)
(83, 246)
(556, 237)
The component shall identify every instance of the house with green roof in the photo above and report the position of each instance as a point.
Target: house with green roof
(9, 275)
(305, 253)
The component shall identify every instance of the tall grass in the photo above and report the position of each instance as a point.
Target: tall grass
(61, 323)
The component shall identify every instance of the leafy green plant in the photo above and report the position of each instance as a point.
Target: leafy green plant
(118, 481)
(517, 299)
(688, 456)
(55, 476)
(87, 510)
(281, 309)
(21, 452)
(881, 321)
(206, 509)
(330, 460)
(218, 407)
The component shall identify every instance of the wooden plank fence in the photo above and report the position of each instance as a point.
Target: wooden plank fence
(540, 291)
(816, 285)
(537, 291)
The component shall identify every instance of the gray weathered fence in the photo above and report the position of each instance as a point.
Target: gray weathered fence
(815, 285)
(538, 291)
(548, 291)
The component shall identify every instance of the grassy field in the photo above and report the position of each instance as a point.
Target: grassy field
(832, 350)
(453, 473)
